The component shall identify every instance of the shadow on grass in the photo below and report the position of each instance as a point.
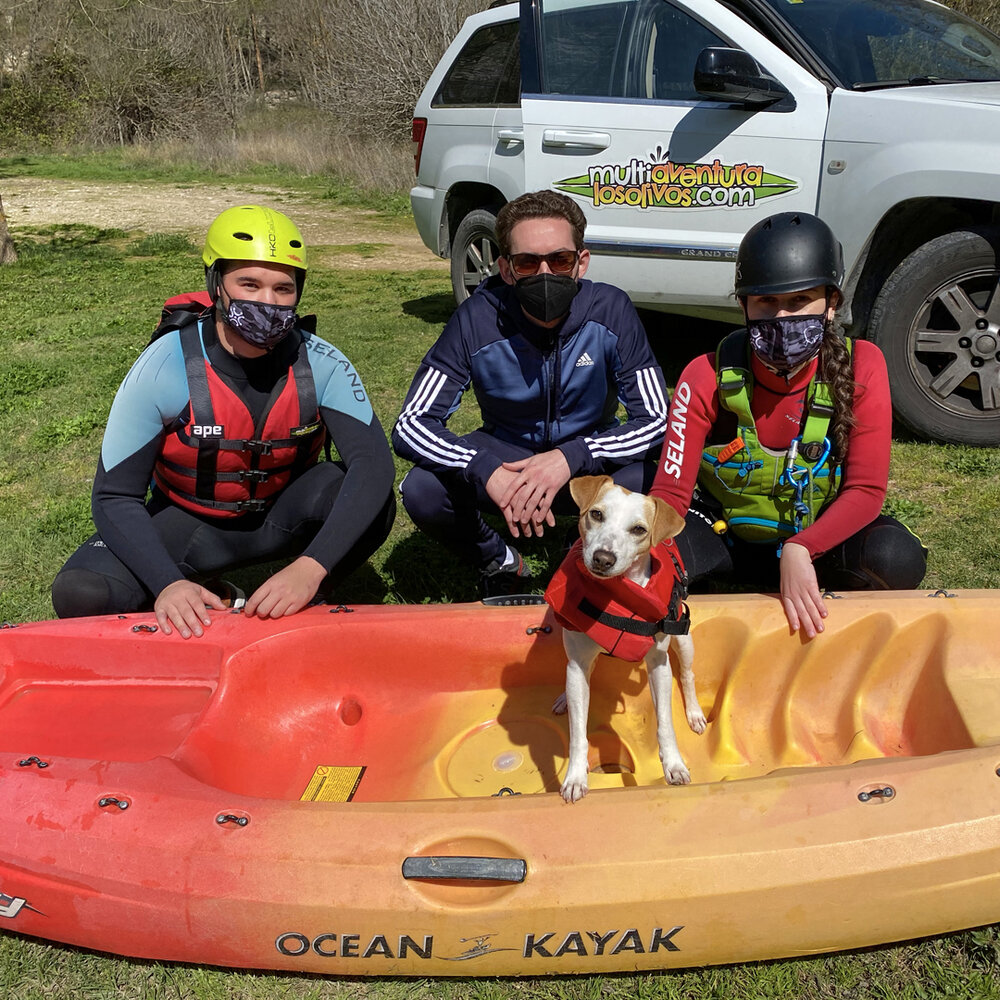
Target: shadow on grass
(434, 309)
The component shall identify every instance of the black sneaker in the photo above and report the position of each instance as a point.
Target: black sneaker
(497, 582)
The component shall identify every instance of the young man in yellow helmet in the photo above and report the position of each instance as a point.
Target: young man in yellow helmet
(227, 415)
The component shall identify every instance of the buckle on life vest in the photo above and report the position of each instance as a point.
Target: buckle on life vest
(257, 475)
(811, 450)
(257, 447)
(250, 506)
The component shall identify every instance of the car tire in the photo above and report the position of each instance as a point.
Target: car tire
(937, 321)
(474, 252)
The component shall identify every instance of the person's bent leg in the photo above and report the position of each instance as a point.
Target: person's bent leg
(636, 476)
(705, 553)
(294, 521)
(884, 555)
(449, 509)
(94, 582)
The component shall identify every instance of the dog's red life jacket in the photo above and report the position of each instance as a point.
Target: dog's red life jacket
(619, 615)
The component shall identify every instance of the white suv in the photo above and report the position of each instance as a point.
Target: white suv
(678, 124)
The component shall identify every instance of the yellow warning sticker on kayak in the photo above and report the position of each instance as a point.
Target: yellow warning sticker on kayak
(333, 783)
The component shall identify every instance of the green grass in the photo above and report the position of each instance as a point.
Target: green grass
(77, 309)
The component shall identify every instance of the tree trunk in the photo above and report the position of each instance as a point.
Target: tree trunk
(7, 252)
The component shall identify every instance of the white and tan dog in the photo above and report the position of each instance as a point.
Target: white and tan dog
(617, 529)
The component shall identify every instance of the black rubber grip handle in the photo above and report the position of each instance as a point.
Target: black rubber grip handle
(457, 867)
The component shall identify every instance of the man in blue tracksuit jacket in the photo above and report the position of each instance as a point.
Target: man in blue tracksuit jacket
(549, 357)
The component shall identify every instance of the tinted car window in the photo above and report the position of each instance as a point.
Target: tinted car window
(674, 41)
(583, 48)
(487, 72)
(640, 49)
(872, 42)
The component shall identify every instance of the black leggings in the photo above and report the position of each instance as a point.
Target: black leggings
(884, 555)
(95, 582)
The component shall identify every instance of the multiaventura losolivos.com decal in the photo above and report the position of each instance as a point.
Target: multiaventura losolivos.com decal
(658, 182)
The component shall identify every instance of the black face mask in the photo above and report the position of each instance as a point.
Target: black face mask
(546, 297)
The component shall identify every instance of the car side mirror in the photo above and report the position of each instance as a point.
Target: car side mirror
(723, 74)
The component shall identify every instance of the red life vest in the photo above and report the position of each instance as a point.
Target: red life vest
(218, 463)
(619, 615)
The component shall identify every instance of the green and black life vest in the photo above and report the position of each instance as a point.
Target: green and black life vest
(756, 486)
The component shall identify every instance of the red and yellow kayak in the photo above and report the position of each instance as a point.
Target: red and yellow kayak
(374, 790)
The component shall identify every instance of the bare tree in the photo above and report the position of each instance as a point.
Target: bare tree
(7, 252)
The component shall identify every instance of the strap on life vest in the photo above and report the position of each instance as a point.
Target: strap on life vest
(669, 624)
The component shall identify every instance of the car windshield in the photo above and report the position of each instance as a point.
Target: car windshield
(886, 43)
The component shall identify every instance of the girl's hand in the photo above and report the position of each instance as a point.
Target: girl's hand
(800, 593)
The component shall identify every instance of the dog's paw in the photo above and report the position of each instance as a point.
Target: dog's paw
(559, 705)
(574, 787)
(696, 720)
(676, 773)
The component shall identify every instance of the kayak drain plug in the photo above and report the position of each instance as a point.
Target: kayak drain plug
(110, 800)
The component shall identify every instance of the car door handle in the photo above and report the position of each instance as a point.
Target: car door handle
(568, 139)
(511, 135)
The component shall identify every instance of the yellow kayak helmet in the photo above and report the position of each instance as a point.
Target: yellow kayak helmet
(253, 233)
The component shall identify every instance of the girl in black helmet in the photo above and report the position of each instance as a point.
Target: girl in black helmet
(777, 447)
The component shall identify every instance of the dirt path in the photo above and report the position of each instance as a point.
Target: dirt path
(335, 231)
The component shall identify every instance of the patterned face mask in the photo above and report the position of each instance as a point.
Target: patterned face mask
(785, 342)
(262, 324)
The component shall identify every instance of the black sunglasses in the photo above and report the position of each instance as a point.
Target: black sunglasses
(559, 262)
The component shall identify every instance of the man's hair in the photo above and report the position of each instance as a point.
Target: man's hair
(540, 205)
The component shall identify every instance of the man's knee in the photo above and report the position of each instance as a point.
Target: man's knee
(78, 593)
(637, 476)
(425, 497)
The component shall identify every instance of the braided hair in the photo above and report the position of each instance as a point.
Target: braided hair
(836, 367)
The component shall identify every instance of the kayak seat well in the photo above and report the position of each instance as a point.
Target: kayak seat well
(100, 699)
(465, 710)
(351, 695)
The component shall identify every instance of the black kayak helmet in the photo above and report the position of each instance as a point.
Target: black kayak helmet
(786, 253)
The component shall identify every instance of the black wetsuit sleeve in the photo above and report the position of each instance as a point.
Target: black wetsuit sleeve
(364, 451)
(122, 521)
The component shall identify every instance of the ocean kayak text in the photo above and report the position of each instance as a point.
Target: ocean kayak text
(545, 945)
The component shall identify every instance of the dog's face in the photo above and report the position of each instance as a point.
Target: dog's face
(619, 527)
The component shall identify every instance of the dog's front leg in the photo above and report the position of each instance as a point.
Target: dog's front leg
(684, 646)
(661, 681)
(581, 654)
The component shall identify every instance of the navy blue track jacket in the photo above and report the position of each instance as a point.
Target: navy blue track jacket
(537, 388)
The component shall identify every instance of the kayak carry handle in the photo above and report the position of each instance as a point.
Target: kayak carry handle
(459, 867)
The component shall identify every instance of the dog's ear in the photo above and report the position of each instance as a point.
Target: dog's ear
(666, 521)
(584, 489)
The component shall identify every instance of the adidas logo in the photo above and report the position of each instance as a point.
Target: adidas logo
(584, 360)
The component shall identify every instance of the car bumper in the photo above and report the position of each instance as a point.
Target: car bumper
(428, 211)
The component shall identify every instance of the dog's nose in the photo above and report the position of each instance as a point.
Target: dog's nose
(603, 559)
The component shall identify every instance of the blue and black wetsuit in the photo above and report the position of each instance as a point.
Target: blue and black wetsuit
(336, 512)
